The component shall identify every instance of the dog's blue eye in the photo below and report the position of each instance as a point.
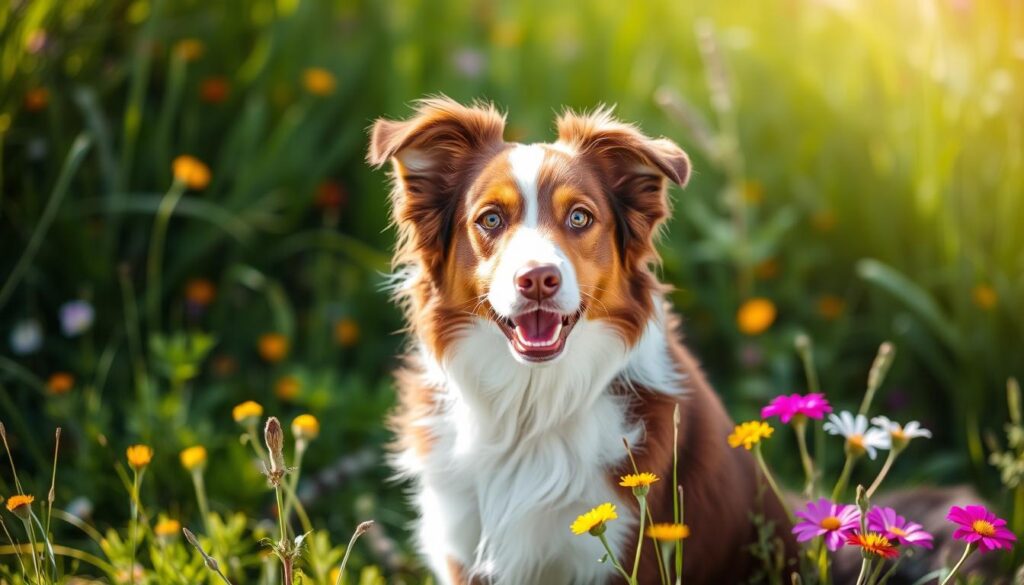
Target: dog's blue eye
(490, 221)
(579, 219)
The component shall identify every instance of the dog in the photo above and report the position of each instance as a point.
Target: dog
(541, 338)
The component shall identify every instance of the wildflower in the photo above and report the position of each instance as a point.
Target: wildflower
(166, 528)
(189, 49)
(982, 527)
(346, 332)
(193, 457)
(797, 407)
(830, 307)
(305, 427)
(755, 316)
(20, 505)
(191, 172)
(330, 196)
(749, 434)
(668, 532)
(246, 412)
(273, 436)
(76, 317)
(139, 456)
(273, 347)
(875, 544)
(859, 438)
(899, 436)
(318, 81)
(594, 520)
(200, 292)
(214, 90)
(985, 297)
(26, 337)
(287, 388)
(60, 383)
(897, 528)
(638, 480)
(825, 518)
(36, 99)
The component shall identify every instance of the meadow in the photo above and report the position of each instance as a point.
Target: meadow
(191, 242)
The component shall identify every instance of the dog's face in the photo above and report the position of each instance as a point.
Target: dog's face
(530, 238)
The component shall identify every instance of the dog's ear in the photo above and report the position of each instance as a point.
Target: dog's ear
(634, 168)
(434, 152)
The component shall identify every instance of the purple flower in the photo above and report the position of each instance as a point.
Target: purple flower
(26, 337)
(76, 317)
(978, 525)
(897, 528)
(787, 407)
(824, 517)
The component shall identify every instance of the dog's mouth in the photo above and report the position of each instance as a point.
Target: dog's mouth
(539, 335)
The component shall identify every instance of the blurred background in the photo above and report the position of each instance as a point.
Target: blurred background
(859, 177)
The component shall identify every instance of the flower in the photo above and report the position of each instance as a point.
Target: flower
(26, 337)
(985, 297)
(273, 436)
(167, 527)
(287, 388)
(749, 434)
(20, 505)
(897, 528)
(189, 49)
(330, 195)
(755, 316)
(305, 427)
(899, 436)
(273, 347)
(248, 411)
(346, 332)
(318, 81)
(633, 480)
(978, 525)
(76, 317)
(200, 292)
(594, 520)
(859, 438)
(875, 544)
(60, 383)
(193, 457)
(826, 518)
(214, 90)
(831, 307)
(139, 456)
(36, 99)
(191, 172)
(668, 532)
(796, 406)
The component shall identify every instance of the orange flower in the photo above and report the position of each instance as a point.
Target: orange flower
(214, 90)
(984, 297)
(193, 457)
(668, 532)
(189, 49)
(346, 332)
(287, 388)
(191, 171)
(831, 307)
(318, 81)
(166, 528)
(21, 505)
(36, 99)
(273, 347)
(329, 195)
(200, 292)
(874, 544)
(60, 383)
(139, 456)
(248, 411)
(755, 316)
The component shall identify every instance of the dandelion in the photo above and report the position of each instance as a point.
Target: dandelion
(36, 99)
(346, 332)
(287, 388)
(899, 436)
(797, 407)
(318, 81)
(305, 427)
(214, 90)
(189, 49)
(20, 505)
(167, 528)
(60, 383)
(835, 522)
(898, 529)
(247, 412)
(191, 172)
(981, 527)
(749, 434)
(874, 544)
(634, 480)
(76, 317)
(139, 456)
(755, 316)
(193, 458)
(668, 532)
(859, 438)
(26, 337)
(273, 347)
(594, 520)
(984, 297)
(200, 292)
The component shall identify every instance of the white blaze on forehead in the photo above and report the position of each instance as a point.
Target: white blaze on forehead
(525, 161)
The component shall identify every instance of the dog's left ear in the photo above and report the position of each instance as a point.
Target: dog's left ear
(634, 168)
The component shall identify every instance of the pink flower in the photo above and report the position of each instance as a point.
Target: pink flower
(978, 525)
(824, 517)
(897, 528)
(786, 407)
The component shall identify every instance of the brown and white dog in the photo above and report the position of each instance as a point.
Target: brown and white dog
(541, 339)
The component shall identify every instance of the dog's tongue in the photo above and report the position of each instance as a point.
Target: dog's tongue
(538, 326)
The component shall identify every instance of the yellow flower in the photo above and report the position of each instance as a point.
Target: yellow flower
(247, 411)
(167, 527)
(273, 347)
(200, 292)
(346, 332)
(755, 316)
(193, 457)
(318, 81)
(139, 456)
(335, 572)
(668, 532)
(638, 480)
(60, 383)
(287, 388)
(749, 434)
(306, 427)
(985, 297)
(189, 49)
(830, 307)
(20, 505)
(37, 99)
(593, 521)
(191, 171)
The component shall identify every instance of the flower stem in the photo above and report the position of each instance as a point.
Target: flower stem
(893, 453)
(864, 568)
(771, 481)
(204, 506)
(640, 536)
(154, 258)
(32, 542)
(877, 572)
(135, 524)
(823, 561)
(800, 428)
(362, 528)
(844, 478)
(614, 561)
(956, 568)
(677, 497)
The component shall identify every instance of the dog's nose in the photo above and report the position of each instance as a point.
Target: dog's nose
(539, 282)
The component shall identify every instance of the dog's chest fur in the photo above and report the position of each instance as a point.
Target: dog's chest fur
(517, 453)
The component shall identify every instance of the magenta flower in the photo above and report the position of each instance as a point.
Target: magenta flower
(978, 525)
(897, 528)
(786, 407)
(824, 517)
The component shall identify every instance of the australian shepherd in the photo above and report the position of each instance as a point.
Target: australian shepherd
(541, 339)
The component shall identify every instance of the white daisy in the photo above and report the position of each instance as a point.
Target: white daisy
(897, 435)
(859, 438)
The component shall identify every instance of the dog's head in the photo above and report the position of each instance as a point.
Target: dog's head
(530, 238)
